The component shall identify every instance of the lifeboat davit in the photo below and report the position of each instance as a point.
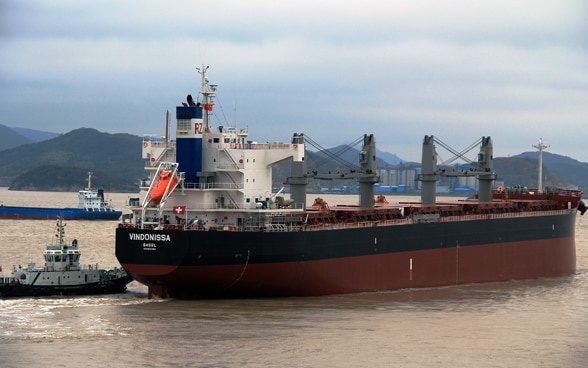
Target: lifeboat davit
(162, 184)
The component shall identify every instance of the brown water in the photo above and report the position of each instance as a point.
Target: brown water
(535, 323)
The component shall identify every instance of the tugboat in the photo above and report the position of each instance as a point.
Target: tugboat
(63, 274)
(91, 206)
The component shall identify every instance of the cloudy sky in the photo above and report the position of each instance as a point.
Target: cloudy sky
(457, 69)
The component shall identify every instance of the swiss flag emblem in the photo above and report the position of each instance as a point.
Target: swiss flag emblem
(179, 210)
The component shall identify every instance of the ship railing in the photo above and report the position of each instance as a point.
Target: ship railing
(235, 186)
(490, 216)
(231, 205)
(355, 225)
(6, 280)
(281, 228)
(266, 146)
(88, 267)
(155, 149)
(151, 211)
(407, 220)
(159, 144)
(296, 227)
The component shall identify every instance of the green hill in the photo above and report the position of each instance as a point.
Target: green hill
(10, 139)
(563, 167)
(524, 171)
(81, 150)
(69, 179)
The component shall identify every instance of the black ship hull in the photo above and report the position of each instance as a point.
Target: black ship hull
(192, 264)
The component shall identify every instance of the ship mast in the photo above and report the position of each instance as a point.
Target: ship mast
(208, 91)
(60, 232)
(540, 147)
(89, 180)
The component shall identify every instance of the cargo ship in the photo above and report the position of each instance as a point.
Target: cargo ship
(207, 223)
(91, 206)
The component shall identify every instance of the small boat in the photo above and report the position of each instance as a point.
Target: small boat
(63, 274)
(91, 206)
(165, 184)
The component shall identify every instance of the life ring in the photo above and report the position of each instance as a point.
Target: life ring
(295, 146)
(144, 144)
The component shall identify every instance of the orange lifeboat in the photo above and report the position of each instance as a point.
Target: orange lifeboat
(162, 184)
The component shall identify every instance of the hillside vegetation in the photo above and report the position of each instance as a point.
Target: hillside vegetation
(524, 171)
(10, 139)
(114, 156)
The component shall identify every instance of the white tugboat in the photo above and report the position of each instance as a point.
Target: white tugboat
(63, 274)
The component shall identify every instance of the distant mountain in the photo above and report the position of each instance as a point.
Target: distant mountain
(34, 135)
(351, 155)
(62, 163)
(117, 155)
(524, 171)
(69, 179)
(343, 155)
(569, 169)
(390, 158)
(10, 139)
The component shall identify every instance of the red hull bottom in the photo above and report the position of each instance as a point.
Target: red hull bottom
(430, 268)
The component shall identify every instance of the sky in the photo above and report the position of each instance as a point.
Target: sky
(514, 70)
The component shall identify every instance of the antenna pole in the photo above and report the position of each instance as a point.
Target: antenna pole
(540, 147)
(167, 140)
(208, 91)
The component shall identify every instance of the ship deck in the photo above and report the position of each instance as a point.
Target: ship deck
(317, 217)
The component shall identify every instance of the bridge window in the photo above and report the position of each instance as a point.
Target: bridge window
(184, 124)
